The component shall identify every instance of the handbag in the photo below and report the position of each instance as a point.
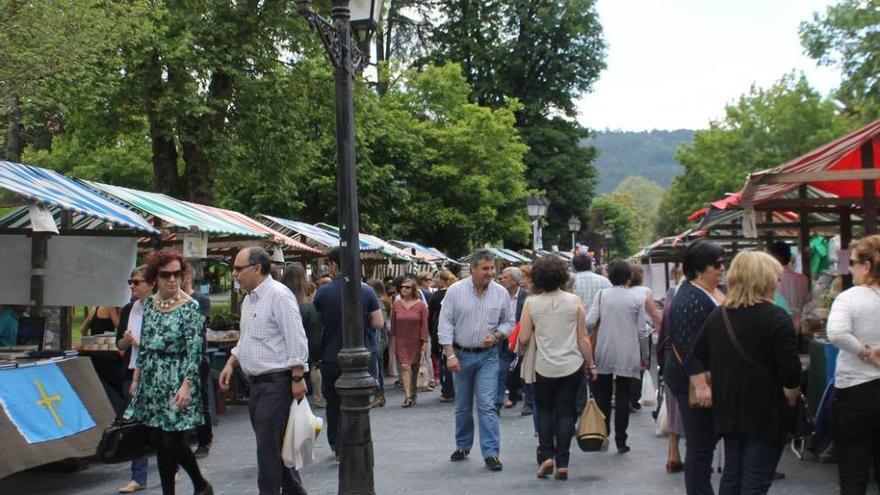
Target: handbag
(594, 335)
(693, 403)
(592, 434)
(123, 441)
(513, 340)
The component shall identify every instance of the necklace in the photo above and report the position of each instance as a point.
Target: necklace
(166, 304)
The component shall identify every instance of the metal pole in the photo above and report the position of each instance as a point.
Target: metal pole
(535, 233)
(355, 384)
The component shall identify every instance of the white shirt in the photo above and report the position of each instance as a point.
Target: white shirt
(513, 300)
(852, 323)
(466, 317)
(272, 334)
(135, 325)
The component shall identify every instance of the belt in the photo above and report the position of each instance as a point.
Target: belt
(470, 349)
(271, 376)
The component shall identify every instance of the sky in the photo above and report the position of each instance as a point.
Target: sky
(675, 64)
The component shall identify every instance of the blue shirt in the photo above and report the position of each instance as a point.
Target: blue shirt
(328, 301)
(8, 326)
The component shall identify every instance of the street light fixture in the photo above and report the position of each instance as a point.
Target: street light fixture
(355, 384)
(537, 208)
(574, 225)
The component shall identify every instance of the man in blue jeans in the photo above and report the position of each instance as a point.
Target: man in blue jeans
(474, 318)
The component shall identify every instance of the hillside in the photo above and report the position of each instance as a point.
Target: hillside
(649, 153)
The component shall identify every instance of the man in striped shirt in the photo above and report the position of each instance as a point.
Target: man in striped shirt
(475, 316)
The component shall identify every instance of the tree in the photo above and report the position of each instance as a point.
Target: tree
(615, 214)
(847, 36)
(764, 128)
(645, 196)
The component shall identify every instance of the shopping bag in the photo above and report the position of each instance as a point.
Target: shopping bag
(422, 380)
(303, 428)
(513, 339)
(649, 393)
(662, 422)
(592, 435)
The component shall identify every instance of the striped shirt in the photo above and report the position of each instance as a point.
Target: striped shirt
(272, 333)
(587, 284)
(466, 318)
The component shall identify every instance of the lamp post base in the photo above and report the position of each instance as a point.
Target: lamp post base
(355, 386)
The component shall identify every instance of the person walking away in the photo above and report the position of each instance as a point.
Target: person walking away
(474, 318)
(654, 317)
(167, 377)
(619, 356)
(273, 352)
(510, 280)
(384, 337)
(205, 432)
(562, 353)
(445, 280)
(586, 285)
(697, 297)
(328, 302)
(409, 329)
(750, 347)
(295, 278)
(855, 409)
(128, 340)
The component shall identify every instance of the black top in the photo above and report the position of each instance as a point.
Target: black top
(124, 313)
(687, 314)
(435, 304)
(328, 302)
(204, 303)
(746, 399)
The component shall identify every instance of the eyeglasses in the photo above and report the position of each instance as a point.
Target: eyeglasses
(167, 275)
(854, 261)
(238, 269)
(135, 282)
(405, 287)
(718, 264)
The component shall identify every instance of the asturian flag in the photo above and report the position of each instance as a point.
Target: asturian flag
(41, 403)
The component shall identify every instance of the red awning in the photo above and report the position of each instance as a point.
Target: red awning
(842, 154)
(732, 201)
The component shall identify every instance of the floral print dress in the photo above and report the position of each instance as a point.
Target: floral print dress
(171, 350)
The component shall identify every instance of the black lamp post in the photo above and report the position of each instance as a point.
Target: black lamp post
(537, 209)
(356, 384)
(574, 225)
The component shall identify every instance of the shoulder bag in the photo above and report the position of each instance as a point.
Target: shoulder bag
(594, 335)
(124, 441)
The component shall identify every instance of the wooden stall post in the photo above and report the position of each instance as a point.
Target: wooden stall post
(804, 235)
(233, 295)
(39, 250)
(66, 312)
(845, 238)
(869, 204)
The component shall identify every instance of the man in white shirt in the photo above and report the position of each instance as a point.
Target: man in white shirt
(273, 352)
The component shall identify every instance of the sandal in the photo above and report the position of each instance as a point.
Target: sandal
(407, 402)
(545, 469)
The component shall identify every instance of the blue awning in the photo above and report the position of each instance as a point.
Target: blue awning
(51, 189)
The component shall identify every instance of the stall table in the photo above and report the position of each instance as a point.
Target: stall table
(18, 455)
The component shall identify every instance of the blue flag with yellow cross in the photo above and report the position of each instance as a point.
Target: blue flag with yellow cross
(41, 403)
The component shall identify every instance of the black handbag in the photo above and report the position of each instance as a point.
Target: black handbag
(124, 441)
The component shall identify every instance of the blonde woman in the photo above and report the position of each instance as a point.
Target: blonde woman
(852, 327)
(750, 347)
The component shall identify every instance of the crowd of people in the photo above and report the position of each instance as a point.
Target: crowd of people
(550, 334)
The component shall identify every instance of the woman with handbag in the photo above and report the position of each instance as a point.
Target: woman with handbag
(696, 298)
(619, 350)
(750, 347)
(855, 409)
(562, 351)
(167, 375)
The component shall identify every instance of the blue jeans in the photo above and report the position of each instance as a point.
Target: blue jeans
(139, 468)
(376, 371)
(478, 377)
(749, 464)
(505, 358)
(700, 441)
(529, 400)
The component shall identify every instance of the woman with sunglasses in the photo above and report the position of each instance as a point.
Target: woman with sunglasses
(167, 376)
(409, 329)
(855, 410)
(696, 299)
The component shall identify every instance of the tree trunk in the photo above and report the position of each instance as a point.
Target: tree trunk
(164, 148)
(14, 139)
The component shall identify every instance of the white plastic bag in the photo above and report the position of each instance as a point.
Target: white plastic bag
(303, 427)
(662, 421)
(649, 393)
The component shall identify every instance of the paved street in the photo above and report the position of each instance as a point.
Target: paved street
(412, 448)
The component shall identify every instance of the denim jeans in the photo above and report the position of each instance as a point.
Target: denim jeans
(478, 378)
(529, 400)
(505, 359)
(139, 468)
(749, 464)
(700, 440)
(376, 371)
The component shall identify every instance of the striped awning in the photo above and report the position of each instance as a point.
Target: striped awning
(175, 212)
(504, 255)
(327, 237)
(247, 222)
(420, 251)
(371, 243)
(60, 193)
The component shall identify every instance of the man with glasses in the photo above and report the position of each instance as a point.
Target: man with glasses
(273, 351)
(474, 318)
(328, 302)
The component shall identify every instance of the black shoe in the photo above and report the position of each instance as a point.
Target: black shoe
(207, 490)
(493, 464)
(526, 411)
(634, 407)
(623, 448)
(202, 451)
(459, 455)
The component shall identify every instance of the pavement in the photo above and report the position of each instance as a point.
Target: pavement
(411, 449)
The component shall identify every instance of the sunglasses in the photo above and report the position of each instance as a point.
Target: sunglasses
(238, 269)
(718, 264)
(167, 275)
(134, 282)
(405, 287)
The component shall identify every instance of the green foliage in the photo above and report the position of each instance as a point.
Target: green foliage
(650, 154)
(615, 214)
(645, 196)
(847, 37)
(764, 128)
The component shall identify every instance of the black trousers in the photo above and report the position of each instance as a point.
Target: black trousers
(555, 400)
(172, 451)
(269, 410)
(330, 372)
(856, 418)
(205, 432)
(620, 387)
(514, 383)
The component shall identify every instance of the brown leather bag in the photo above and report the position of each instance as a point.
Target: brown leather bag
(594, 335)
(692, 391)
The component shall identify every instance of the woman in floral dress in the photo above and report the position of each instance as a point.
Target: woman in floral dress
(167, 377)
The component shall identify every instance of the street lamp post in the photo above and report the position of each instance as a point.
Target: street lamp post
(355, 384)
(537, 209)
(574, 225)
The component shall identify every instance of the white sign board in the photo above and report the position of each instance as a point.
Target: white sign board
(195, 245)
(15, 264)
(89, 271)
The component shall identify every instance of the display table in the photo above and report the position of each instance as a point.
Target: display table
(18, 455)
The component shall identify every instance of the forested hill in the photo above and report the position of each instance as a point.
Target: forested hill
(649, 153)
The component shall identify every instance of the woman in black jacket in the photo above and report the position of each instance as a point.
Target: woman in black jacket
(750, 348)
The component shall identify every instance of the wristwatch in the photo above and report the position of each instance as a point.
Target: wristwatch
(297, 378)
